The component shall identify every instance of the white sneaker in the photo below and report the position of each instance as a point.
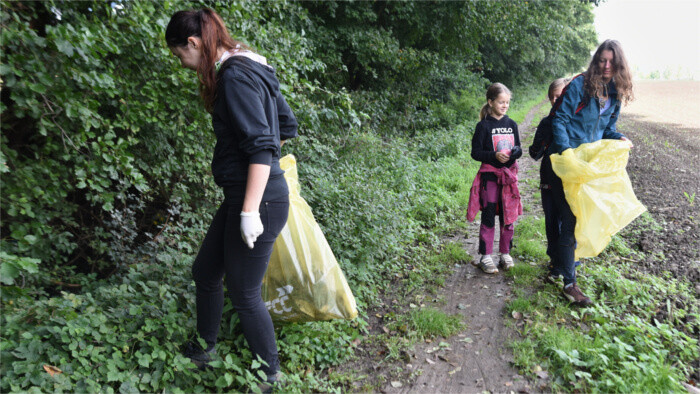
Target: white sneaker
(486, 264)
(506, 262)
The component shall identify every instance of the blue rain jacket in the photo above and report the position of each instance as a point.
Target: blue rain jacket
(571, 129)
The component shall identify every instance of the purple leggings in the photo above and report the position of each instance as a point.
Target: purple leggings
(490, 194)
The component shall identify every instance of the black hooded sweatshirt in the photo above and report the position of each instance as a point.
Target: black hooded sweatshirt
(249, 118)
(493, 135)
(543, 138)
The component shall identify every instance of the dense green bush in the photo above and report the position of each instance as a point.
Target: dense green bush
(106, 188)
(104, 139)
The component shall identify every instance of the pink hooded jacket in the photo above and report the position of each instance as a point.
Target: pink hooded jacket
(510, 194)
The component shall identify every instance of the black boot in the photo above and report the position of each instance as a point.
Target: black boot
(199, 356)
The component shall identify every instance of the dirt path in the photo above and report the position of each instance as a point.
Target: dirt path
(477, 359)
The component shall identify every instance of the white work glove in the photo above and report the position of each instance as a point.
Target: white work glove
(251, 227)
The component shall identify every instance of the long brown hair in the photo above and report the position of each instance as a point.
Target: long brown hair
(208, 26)
(491, 94)
(622, 78)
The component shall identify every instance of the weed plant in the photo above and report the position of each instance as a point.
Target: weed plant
(622, 343)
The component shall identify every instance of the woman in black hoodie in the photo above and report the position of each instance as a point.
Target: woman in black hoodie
(250, 119)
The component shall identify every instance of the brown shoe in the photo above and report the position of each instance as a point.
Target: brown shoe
(576, 296)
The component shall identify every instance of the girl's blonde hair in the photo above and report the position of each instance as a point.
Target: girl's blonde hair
(491, 94)
(622, 78)
(558, 83)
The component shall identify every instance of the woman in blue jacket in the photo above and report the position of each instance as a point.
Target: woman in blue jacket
(588, 112)
(250, 118)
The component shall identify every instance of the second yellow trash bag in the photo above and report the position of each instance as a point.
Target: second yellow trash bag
(303, 281)
(598, 191)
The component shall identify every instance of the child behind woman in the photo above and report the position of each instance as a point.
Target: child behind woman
(542, 140)
(496, 144)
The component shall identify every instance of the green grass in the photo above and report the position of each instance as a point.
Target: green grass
(522, 303)
(431, 272)
(618, 345)
(454, 253)
(523, 102)
(430, 322)
(525, 273)
(530, 241)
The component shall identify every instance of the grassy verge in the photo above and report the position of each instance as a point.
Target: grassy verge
(622, 343)
(406, 309)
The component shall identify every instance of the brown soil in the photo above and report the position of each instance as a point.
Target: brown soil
(479, 359)
(475, 360)
(665, 172)
(675, 103)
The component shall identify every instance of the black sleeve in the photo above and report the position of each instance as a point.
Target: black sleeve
(480, 152)
(517, 150)
(543, 136)
(245, 110)
(287, 120)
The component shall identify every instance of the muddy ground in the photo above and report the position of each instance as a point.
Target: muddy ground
(664, 124)
(664, 166)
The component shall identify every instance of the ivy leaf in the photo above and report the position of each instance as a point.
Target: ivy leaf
(8, 272)
(224, 381)
(64, 47)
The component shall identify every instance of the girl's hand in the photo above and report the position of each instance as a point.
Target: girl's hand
(502, 157)
(627, 139)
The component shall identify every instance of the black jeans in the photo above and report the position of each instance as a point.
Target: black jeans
(552, 225)
(564, 264)
(224, 252)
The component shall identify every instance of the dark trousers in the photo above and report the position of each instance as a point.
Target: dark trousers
(223, 252)
(563, 263)
(552, 224)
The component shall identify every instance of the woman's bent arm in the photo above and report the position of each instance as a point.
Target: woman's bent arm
(255, 187)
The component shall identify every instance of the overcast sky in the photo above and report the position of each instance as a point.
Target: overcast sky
(656, 35)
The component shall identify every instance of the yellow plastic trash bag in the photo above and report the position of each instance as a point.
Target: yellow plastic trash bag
(598, 191)
(303, 281)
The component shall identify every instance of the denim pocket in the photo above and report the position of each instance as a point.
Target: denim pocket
(274, 216)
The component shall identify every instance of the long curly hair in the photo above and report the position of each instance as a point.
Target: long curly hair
(622, 78)
(209, 27)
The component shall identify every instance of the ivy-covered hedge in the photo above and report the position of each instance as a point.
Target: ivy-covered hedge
(103, 138)
(106, 192)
